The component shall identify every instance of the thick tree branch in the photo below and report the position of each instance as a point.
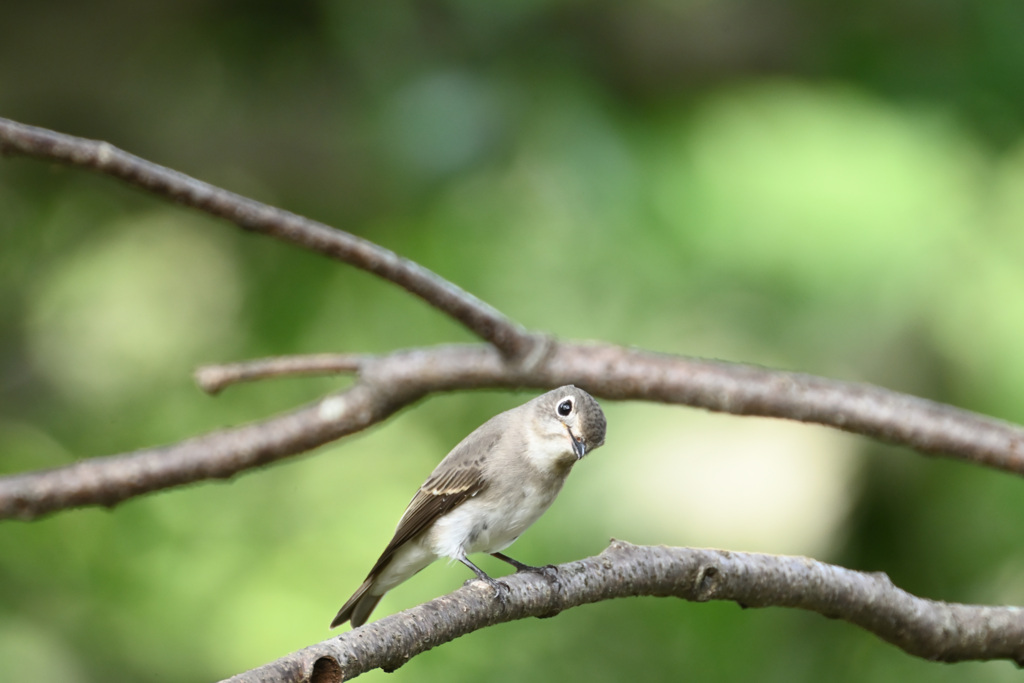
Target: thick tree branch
(937, 631)
(390, 382)
(483, 320)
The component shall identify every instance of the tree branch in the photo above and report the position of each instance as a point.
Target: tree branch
(517, 358)
(938, 631)
(390, 382)
(479, 317)
(387, 383)
(215, 378)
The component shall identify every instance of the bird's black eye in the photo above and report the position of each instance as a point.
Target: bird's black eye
(564, 408)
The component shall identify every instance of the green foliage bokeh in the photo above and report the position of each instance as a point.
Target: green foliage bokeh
(834, 188)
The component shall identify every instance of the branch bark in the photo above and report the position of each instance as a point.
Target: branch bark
(390, 382)
(938, 631)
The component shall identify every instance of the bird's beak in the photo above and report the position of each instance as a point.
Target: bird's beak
(578, 447)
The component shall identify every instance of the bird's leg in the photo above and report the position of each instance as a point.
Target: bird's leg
(548, 571)
(500, 587)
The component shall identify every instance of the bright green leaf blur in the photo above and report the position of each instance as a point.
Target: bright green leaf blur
(834, 189)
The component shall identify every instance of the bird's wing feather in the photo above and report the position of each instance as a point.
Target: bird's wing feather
(454, 482)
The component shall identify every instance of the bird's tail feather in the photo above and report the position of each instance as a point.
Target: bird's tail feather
(357, 609)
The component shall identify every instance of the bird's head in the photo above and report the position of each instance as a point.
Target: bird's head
(569, 421)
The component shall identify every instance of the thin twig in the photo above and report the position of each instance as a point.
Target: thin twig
(390, 382)
(938, 631)
(482, 319)
(215, 378)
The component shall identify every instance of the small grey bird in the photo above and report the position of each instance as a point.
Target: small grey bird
(485, 493)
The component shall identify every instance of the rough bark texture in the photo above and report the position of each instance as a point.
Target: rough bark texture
(938, 631)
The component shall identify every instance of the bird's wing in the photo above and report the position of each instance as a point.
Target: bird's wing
(441, 493)
(459, 478)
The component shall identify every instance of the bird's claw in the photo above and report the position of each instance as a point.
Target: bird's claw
(501, 589)
(548, 571)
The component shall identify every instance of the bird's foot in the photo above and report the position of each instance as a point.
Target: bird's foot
(501, 589)
(548, 571)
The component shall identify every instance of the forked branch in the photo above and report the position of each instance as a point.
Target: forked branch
(388, 383)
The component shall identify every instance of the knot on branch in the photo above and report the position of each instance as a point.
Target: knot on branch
(532, 350)
(617, 546)
(705, 585)
(883, 578)
(326, 670)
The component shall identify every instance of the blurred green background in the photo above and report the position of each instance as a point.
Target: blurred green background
(836, 188)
